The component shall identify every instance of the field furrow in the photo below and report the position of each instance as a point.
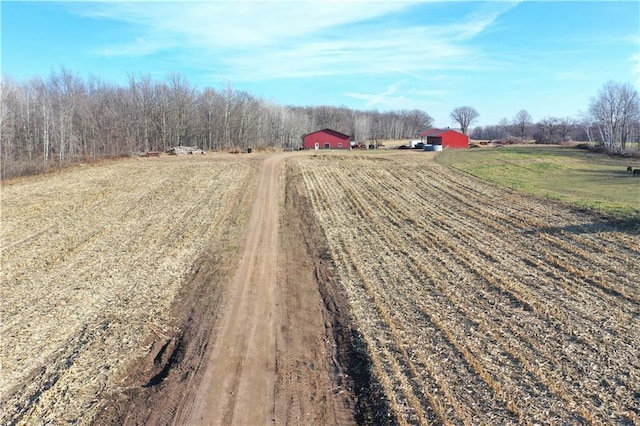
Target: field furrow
(499, 307)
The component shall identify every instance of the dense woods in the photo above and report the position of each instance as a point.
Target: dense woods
(64, 118)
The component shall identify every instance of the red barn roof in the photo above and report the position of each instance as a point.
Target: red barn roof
(430, 132)
(329, 131)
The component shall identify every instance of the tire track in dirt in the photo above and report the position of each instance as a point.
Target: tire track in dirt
(238, 381)
(314, 383)
(273, 355)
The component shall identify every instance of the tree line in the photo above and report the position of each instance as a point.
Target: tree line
(612, 121)
(64, 118)
(522, 128)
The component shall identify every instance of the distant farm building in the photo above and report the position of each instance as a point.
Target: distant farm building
(326, 139)
(447, 138)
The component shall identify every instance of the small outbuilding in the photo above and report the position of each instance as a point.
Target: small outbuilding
(326, 139)
(447, 138)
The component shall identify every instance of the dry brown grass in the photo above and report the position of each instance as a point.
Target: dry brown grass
(480, 305)
(91, 261)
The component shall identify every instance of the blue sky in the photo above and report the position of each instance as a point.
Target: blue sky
(548, 57)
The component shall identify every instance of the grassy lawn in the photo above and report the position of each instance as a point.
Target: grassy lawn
(578, 177)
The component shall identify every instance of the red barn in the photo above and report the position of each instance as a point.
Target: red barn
(447, 138)
(326, 139)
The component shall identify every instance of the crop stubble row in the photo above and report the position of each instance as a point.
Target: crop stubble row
(479, 304)
(91, 261)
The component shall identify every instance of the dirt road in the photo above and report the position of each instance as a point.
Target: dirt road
(261, 367)
(239, 378)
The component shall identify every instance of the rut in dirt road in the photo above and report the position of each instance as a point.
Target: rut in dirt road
(239, 376)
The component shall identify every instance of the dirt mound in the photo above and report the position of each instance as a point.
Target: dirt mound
(153, 386)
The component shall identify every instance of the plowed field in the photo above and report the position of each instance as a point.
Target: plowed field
(480, 305)
(224, 289)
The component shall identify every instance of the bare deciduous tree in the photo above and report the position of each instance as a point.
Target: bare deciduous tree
(464, 116)
(586, 124)
(181, 108)
(207, 116)
(616, 111)
(416, 121)
(522, 124)
(142, 95)
(548, 130)
(565, 126)
(362, 128)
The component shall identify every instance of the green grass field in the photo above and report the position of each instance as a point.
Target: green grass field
(578, 177)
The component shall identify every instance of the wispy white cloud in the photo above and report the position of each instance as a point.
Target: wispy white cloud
(482, 17)
(246, 40)
(387, 51)
(400, 95)
(242, 24)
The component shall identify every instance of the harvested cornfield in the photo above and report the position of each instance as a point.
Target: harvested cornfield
(479, 305)
(92, 259)
(476, 305)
